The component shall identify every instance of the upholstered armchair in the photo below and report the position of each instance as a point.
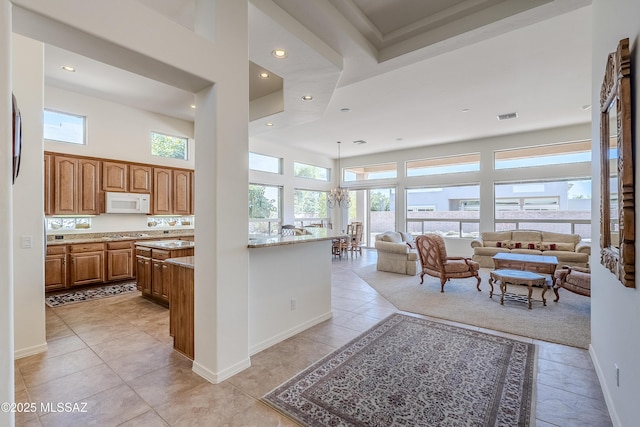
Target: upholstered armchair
(574, 279)
(433, 256)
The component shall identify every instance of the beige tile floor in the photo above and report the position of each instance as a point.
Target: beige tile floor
(115, 354)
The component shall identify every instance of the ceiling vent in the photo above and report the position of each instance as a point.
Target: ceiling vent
(508, 116)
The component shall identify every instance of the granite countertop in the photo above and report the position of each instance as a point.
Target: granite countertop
(185, 261)
(72, 238)
(167, 244)
(315, 235)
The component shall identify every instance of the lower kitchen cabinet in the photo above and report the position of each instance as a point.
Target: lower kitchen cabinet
(55, 268)
(143, 270)
(86, 264)
(181, 308)
(119, 261)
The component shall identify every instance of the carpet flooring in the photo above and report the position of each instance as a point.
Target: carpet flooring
(64, 298)
(565, 322)
(409, 371)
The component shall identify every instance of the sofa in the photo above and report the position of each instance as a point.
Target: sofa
(397, 253)
(568, 248)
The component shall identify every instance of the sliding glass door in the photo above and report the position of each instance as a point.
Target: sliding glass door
(376, 209)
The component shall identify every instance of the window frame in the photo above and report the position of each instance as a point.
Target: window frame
(184, 138)
(64, 113)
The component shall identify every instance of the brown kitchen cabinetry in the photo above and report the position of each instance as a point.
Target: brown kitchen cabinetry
(120, 265)
(181, 308)
(115, 176)
(155, 281)
(140, 178)
(75, 185)
(86, 264)
(182, 192)
(55, 268)
(143, 270)
(162, 191)
(48, 191)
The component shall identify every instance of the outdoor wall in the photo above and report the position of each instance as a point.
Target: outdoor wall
(614, 309)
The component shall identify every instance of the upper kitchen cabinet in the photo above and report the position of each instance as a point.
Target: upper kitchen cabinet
(140, 178)
(182, 192)
(75, 186)
(115, 176)
(48, 190)
(162, 191)
(126, 177)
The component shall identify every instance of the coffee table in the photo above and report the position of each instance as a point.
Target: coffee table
(543, 264)
(517, 277)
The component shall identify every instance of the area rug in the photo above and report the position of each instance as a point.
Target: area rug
(409, 371)
(57, 300)
(565, 322)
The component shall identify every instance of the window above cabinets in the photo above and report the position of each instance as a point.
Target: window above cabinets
(64, 127)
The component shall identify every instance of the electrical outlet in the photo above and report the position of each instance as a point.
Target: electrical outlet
(293, 304)
(617, 374)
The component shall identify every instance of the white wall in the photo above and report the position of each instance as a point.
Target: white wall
(615, 312)
(28, 72)
(7, 393)
(116, 131)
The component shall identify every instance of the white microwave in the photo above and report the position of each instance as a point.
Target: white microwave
(127, 203)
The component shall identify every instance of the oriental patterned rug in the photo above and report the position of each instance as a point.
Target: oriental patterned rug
(56, 300)
(408, 371)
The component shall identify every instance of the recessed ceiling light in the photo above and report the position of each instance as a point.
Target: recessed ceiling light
(399, 139)
(307, 97)
(69, 68)
(345, 110)
(268, 124)
(585, 107)
(466, 110)
(264, 75)
(279, 53)
(359, 141)
(193, 106)
(507, 116)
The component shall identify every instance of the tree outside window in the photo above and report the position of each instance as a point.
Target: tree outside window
(172, 147)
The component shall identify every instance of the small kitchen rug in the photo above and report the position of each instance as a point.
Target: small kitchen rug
(65, 298)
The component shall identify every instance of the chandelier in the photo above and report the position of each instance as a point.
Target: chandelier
(339, 196)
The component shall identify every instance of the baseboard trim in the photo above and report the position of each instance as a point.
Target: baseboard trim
(218, 377)
(257, 348)
(605, 389)
(30, 351)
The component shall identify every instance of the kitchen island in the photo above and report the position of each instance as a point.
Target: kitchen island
(289, 285)
(152, 272)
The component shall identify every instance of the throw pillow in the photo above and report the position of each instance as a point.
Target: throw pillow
(531, 246)
(410, 245)
(518, 245)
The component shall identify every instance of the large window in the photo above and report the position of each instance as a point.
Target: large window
(265, 209)
(172, 147)
(444, 165)
(64, 127)
(303, 170)
(366, 173)
(264, 163)
(562, 206)
(452, 211)
(310, 207)
(544, 155)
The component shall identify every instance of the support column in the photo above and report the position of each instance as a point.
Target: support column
(221, 188)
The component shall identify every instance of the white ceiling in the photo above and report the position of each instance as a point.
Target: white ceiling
(407, 70)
